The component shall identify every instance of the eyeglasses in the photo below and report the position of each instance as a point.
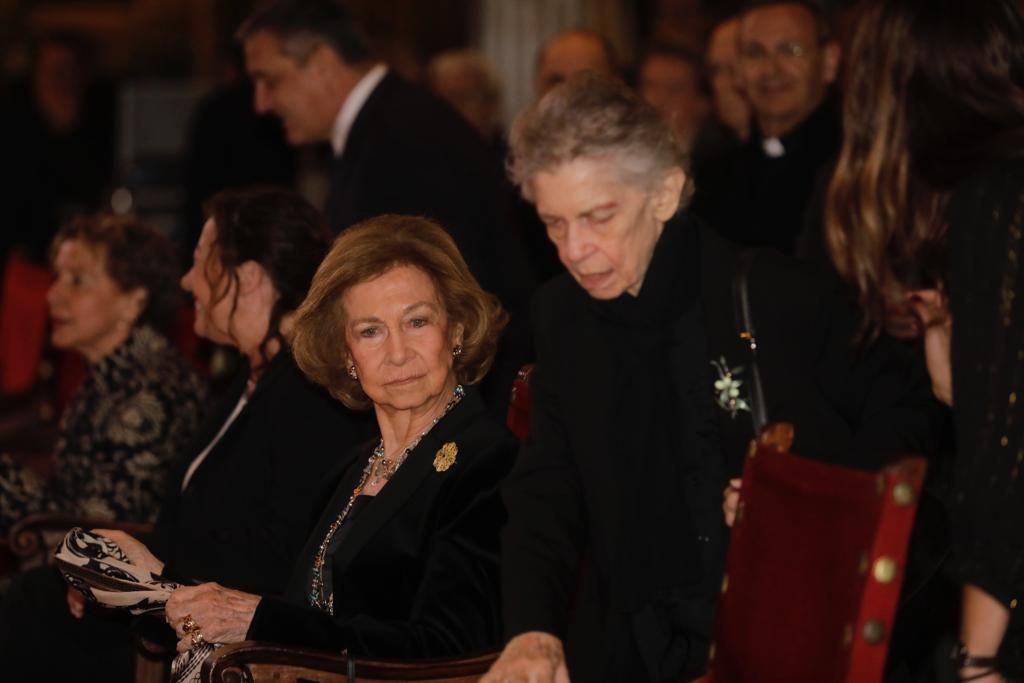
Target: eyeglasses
(786, 51)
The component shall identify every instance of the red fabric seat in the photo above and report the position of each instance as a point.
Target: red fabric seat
(24, 322)
(24, 332)
(815, 565)
(518, 416)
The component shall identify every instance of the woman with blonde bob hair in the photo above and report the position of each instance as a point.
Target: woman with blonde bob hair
(404, 560)
(369, 250)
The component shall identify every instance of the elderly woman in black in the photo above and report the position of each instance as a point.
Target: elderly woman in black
(404, 560)
(926, 210)
(642, 397)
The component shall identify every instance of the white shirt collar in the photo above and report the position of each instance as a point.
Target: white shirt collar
(353, 105)
(773, 148)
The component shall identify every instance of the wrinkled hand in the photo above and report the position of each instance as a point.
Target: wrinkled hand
(930, 307)
(76, 603)
(533, 657)
(136, 551)
(731, 500)
(221, 614)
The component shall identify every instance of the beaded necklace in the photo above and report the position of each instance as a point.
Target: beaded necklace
(378, 467)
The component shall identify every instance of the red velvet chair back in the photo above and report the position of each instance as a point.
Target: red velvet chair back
(24, 319)
(518, 417)
(815, 565)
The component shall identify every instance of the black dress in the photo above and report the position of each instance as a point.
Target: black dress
(986, 288)
(415, 575)
(247, 509)
(615, 541)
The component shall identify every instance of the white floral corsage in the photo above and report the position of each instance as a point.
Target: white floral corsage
(727, 388)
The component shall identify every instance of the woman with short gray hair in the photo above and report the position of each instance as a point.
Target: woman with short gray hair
(592, 118)
(613, 552)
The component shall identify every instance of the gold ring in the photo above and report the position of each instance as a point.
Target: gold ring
(189, 624)
(197, 638)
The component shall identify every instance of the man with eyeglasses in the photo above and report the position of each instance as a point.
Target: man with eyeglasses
(762, 193)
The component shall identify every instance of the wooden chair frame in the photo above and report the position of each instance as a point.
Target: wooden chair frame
(257, 662)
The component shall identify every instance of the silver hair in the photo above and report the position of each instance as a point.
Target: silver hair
(591, 117)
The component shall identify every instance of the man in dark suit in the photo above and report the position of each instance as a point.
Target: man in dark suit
(397, 149)
(762, 193)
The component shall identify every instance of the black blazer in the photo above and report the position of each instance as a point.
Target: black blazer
(416, 573)
(756, 200)
(563, 495)
(250, 505)
(410, 153)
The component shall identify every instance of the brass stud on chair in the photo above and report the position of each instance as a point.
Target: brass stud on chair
(847, 635)
(903, 494)
(884, 570)
(725, 583)
(874, 631)
(711, 653)
(862, 567)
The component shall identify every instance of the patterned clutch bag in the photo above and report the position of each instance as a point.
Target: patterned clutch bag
(97, 567)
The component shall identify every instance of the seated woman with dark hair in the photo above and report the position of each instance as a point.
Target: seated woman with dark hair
(115, 289)
(404, 560)
(240, 500)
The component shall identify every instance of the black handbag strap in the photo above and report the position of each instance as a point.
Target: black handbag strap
(747, 332)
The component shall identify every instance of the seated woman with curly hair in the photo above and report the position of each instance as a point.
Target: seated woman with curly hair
(115, 289)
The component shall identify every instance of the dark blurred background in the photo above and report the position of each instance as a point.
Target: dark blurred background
(143, 105)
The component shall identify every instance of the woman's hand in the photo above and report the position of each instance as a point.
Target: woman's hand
(731, 500)
(533, 657)
(76, 603)
(983, 622)
(138, 554)
(220, 614)
(930, 307)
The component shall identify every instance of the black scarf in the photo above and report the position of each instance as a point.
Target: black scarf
(671, 539)
(665, 432)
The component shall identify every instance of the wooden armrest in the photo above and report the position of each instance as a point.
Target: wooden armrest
(28, 536)
(255, 662)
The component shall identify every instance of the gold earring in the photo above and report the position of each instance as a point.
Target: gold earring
(457, 351)
(352, 372)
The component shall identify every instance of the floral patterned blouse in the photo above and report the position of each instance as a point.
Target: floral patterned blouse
(137, 409)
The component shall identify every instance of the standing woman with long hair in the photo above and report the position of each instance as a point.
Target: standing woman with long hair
(925, 216)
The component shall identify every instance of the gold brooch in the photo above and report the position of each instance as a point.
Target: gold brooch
(445, 456)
